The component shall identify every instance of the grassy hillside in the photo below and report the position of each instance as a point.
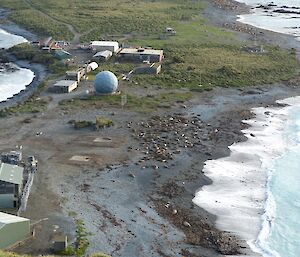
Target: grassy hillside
(198, 55)
(98, 17)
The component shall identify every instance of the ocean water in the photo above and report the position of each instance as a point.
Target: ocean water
(8, 40)
(256, 190)
(279, 235)
(288, 23)
(13, 79)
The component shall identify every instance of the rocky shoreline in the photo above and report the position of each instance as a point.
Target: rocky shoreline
(40, 73)
(173, 197)
(39, 70)
(224, 13)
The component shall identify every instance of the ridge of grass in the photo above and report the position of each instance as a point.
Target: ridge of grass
(142, 104)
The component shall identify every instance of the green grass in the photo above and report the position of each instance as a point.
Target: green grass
(199, 57)
(192, 32)
(102, 122)
(225, 66)
(27, 52)
(33, 105)
(80, 124)
(35, 21)
(100, 17)
(118, 16)
(41, 24)
(81, 243)
(135, 103)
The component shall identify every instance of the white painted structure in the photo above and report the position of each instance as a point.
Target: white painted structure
(93, 66)
(64, 86)
(112, 46)
(102, 56)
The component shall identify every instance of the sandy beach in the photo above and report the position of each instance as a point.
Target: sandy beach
(136, 181)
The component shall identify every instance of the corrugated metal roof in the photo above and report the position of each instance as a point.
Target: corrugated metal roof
(105, 43)
(141, 51)
(62, 54)
(105, 54)
(65, 83)
(11, 173)
(8, 219)
(93, 65)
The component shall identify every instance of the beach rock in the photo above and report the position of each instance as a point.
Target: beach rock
(186, 224)
(132, 175)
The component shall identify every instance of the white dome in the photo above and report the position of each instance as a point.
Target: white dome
(106, 83)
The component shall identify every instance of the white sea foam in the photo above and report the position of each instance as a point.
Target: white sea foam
(12, 82)
(8, 40)
(287, 23)
(240, 196)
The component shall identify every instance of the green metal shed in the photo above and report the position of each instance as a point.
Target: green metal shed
(62, 54)
(13, 229)
(11, 183)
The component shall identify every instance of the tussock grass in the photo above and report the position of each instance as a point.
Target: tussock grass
(135, 103)
(10, 254)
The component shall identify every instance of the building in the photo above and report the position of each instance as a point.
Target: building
(99, 46)
(60, 243)
(61, 43)
(171, 31)
(154, 68)
(76, 75)
(11, 184)
(12, 157)
(62, 54)
(141, 55)
(91, 66)
(102, 56)
(13, 229)
(47, 42)
(64, 86)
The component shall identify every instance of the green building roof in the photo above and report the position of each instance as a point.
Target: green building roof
(61, 54)
(11, 173)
